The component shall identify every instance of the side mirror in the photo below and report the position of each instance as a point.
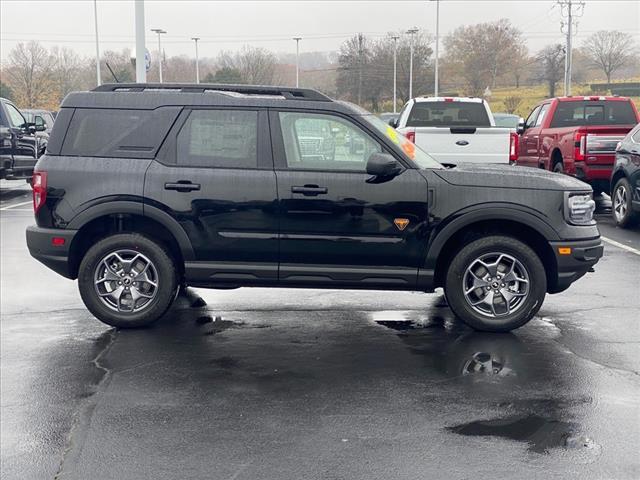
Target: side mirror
(39, 124)
(382, 167)
(393, 122)
(521, 127)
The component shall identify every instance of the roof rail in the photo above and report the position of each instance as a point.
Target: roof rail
(286, 92)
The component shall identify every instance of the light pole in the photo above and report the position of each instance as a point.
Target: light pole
(411, 32)
(395, 71)
(159, 31)
(437, 80)
(195, 39)
(141, 71)
(95, 22)
(297, 39)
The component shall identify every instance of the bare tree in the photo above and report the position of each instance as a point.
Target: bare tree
(67, 70)
(30, 74)
(551, 64)
(256, 65)
(482, 52)
(609, 50)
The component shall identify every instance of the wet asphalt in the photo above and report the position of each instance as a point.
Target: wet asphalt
(317, 384)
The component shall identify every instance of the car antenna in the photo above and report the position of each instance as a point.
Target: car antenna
(113, 74)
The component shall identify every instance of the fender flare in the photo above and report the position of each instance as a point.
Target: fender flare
(478, 213)
(136, 208)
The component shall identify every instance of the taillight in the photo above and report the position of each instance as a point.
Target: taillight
(513, 147)
(39, 186)
(411, 136)
(580, 141)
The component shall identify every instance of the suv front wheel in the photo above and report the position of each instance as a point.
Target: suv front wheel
(127, 280)
(496, 284)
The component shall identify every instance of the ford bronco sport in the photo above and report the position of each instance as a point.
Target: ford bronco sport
(145, 188)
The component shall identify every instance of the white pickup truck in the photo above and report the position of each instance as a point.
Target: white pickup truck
(457, 130)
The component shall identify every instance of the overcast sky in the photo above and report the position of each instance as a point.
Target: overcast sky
(324, 25)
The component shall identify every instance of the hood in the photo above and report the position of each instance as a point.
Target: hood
(509, 176)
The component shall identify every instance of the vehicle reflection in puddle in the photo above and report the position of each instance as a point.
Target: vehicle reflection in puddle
(541, 434)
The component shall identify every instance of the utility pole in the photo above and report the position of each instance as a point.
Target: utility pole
(360, 40)
(395, 72)
(411, 32)
(195, 39)
(567, 11)
(297, 39)
(141, 71)
(159, 31)
(95, 22)
(437, 80)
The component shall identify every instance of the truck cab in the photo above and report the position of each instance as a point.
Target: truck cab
(577, 136)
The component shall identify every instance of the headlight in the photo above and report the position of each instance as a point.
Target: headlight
(579, 208)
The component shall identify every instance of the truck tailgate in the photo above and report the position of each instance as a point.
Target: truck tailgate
(465, 144)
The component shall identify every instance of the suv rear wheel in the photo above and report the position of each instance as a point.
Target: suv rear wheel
(496, 284)
(127, 280)
(621, 208)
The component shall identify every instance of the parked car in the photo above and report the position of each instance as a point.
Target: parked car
(507, 120)
(146, 187)
(456, 129)
(625, 180)
(577, 136)
(20, 146)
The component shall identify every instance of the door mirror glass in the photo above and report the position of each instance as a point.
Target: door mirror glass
(39, 124)
(382, 166)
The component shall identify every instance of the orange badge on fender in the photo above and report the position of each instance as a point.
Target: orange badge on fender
(401, 223)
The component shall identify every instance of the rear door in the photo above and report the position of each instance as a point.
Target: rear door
(214, 176)
(335, 227)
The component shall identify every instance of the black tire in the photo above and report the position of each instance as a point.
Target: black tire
(527, 306)
(622, 208)
(151, 310)
(558, 167)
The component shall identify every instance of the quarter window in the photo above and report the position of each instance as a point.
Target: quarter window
(325, 142)
(219, 138)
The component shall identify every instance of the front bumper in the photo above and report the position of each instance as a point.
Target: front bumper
(570, 267)
(40, 242)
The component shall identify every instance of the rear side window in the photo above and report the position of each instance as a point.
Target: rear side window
(576, 113)
(101, 132)
(448, 114)
(219, 138)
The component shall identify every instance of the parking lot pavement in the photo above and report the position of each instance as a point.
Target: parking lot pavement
(265, 384)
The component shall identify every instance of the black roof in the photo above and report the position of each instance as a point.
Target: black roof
(154, 95)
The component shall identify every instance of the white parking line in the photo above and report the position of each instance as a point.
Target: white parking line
(621, 245)
(16, 205)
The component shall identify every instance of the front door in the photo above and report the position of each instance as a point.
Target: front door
(528, 154)
(214, 175)
(335, 227)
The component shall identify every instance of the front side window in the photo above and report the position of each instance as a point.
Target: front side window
(325, 142)
(531, 119)
(15, 117)
(543, 113)
(219, 138)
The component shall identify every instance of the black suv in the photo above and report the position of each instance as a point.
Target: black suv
(145, 188)
(625, 180)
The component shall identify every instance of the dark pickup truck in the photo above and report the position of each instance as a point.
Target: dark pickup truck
(145, 188)
(577, 136)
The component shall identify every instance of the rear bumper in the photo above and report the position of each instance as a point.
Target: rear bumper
(584, 255)
(594, 172)
(41, 247)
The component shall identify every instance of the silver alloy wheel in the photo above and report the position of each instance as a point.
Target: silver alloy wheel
(620, 203)
(126, 281)
(495, 284)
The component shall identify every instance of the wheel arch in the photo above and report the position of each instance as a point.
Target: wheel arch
(127, 217)
(525, 227)
(617, 175)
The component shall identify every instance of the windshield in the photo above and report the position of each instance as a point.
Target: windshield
(410, 149)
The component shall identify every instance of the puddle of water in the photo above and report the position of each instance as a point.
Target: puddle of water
(541, 434)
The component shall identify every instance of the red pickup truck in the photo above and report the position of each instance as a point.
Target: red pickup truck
(577, 136)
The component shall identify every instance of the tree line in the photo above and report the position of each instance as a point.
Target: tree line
(475, 59)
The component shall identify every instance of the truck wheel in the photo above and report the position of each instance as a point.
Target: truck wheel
(127, 280)
(558, 167)
(496, 284)
(621, 209)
